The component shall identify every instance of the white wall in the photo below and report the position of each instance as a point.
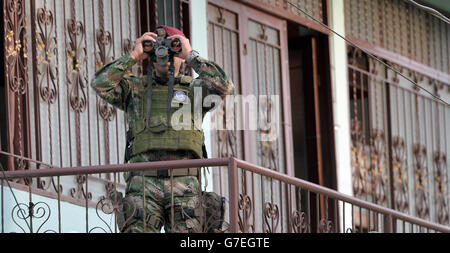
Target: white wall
(73, 217)
(341, 111)
(199, 42)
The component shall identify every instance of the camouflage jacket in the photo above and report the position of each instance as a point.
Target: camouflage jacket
(117, 85)
(115, 82)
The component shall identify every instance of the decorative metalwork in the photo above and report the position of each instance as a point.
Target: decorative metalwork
(104, 43)
(356, 56)
(245, 204)
(378, 168)
(437, 86)
(76, 78)
(16, 51)
(29, 214)
(400, 171)
(127, 46)
(417, 77)
(358, 160)
(44, 185)
(16, 64)
(47, 70)
(440, 182)
(106, 111)
(325, 226)
(263, 35)
(46, 50)
(412, 105)
(268, 148)
(397, 67)
(421, 175)
(220, 19)
(79, 192)
(227, 141)
(271, 213)
(299, 222)
(111, 204)
(268, 157)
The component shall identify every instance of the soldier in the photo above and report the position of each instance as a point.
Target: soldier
(154, 139)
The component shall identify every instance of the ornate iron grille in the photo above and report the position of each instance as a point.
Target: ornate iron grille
(50, 112)
(399, 139)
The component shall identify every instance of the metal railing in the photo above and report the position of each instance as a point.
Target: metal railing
(258, 200)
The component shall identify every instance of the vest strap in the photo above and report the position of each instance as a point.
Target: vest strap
(149, 93)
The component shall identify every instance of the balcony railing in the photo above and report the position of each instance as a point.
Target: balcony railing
(257, 200)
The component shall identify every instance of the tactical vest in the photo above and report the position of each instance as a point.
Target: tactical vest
(159, 136)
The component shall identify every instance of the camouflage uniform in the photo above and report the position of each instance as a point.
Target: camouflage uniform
(158, 195)
(116, 84)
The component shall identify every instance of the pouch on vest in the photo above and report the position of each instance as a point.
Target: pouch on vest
(214, 212)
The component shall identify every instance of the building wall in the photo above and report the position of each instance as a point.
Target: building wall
(399, 138)
(199, 42)
(338, 49)
(401, 28)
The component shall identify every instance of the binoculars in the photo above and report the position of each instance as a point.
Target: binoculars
(161, 50)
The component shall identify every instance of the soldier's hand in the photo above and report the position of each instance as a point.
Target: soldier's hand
(185, 46)
(138, 48)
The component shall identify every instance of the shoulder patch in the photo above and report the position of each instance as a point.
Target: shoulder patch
(179, 96)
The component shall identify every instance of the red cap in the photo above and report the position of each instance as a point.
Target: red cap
(171, 30)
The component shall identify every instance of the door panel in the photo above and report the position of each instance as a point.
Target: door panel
(265, 36)
(223, 48)
(261, 58)
(265, 59)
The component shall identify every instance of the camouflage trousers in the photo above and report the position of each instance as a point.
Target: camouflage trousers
(156, 209)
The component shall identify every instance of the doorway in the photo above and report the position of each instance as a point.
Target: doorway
(312, 118)
(312, 115)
